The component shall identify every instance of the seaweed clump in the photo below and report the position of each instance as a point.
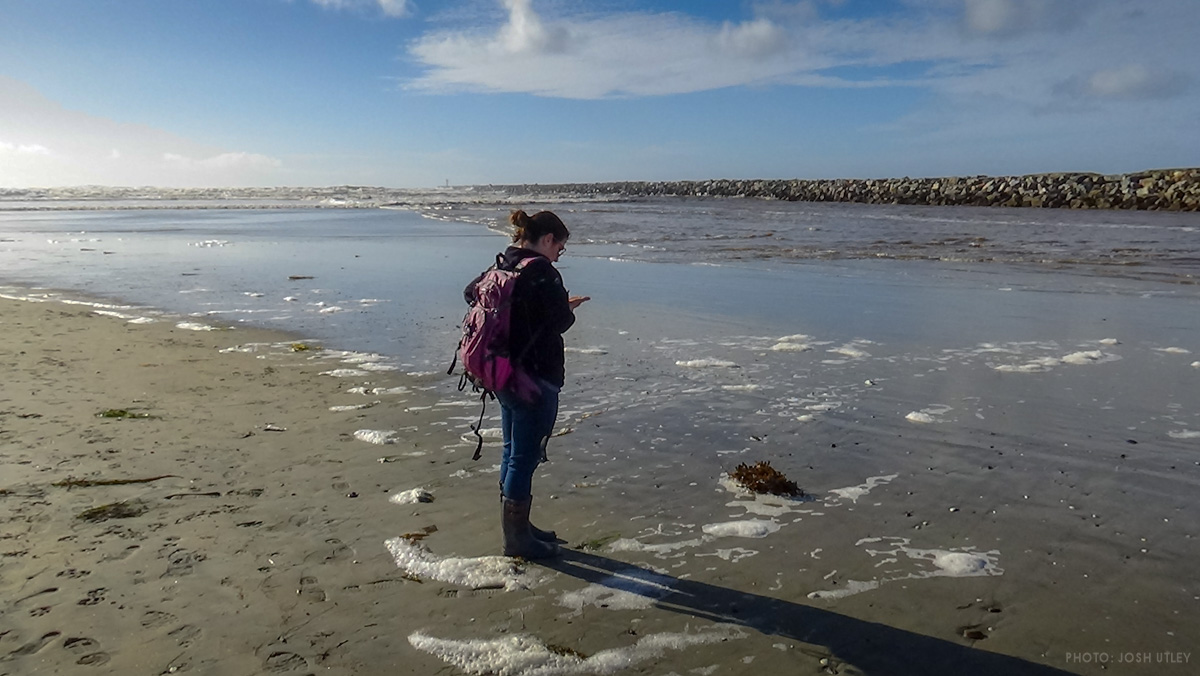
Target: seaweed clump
(762, 478)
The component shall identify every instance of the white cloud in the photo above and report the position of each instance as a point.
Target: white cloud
(1012, 17)
(393, 8)
(1132, 82)
(45, 144)
(757, 38)
(24, 149)
(1027, 52)
(225, 161)
(632, 54)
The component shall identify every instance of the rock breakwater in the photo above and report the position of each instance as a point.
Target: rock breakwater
(1160, 189)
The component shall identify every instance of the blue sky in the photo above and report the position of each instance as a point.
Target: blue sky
(411, 93)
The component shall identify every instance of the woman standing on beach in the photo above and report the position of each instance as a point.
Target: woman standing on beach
(541, 312)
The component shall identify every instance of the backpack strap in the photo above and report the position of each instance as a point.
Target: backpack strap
(476, 428)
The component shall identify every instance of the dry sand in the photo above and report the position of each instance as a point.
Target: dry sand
(253, 541)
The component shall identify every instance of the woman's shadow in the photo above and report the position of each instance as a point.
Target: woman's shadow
(872, 647)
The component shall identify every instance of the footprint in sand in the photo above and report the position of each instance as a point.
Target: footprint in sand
(94, 597)
(181, 562)
(88, 648)
(280, 662)
(310, 591)
(35, 646)
(156, 618)
(121, 555)
(185, 635)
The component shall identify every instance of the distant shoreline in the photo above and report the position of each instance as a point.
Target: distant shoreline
(1152, 190)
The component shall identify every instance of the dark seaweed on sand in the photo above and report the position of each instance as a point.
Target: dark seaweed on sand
(762, 478)
(114, 510)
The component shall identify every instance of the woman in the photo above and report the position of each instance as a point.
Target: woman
(541, 312)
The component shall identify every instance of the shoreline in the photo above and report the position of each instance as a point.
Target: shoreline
(1175, 189)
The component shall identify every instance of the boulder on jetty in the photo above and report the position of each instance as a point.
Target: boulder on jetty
(1159, 189)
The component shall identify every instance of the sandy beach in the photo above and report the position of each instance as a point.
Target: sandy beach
(235, 518)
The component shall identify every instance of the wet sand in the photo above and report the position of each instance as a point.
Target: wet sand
(261, 536)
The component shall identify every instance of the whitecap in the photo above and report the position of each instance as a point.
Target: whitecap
(1184, 434)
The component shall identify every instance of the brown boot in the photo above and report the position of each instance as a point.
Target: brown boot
(538, 533)
(518, 539)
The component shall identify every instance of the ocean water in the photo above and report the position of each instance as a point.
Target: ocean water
(933, 377)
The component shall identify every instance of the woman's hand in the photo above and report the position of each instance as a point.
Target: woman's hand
(576, 301)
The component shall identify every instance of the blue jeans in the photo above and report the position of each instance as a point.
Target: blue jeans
(525, 425)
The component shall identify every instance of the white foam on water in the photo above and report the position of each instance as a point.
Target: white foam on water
(824, 406)
(330, 310)
(376, 391)
(210, 243)
(1039, 365)
(1196, 364)
(853, 493)
(848, 588)
(353, 407)
(524, 655)
(807, 417)
(851, 350)
(411, 497)
(290, 299)
(1184, 434)
(931, 414)
(344, 373)
(488, 434)
(1109, 341)
(741, 388)
(752, 528)
(660, 550)
(791, 347)
(586, 350)
(759, 504)
(484, 572)
(194, 326)
(111, 313)
(376, 436)
(733, 555)
(945, 563)
(625, 589)
(794, 338)
(706, 363)
(1089, 357)
(252, 294)
(142, 320)
(246, 348)
(1173, 350)
(372, 366)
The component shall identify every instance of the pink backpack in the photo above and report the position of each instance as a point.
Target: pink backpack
(483, 348)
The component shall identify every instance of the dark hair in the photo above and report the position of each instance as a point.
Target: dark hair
(532, 228)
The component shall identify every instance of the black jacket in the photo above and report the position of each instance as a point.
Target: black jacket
(541, 313)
